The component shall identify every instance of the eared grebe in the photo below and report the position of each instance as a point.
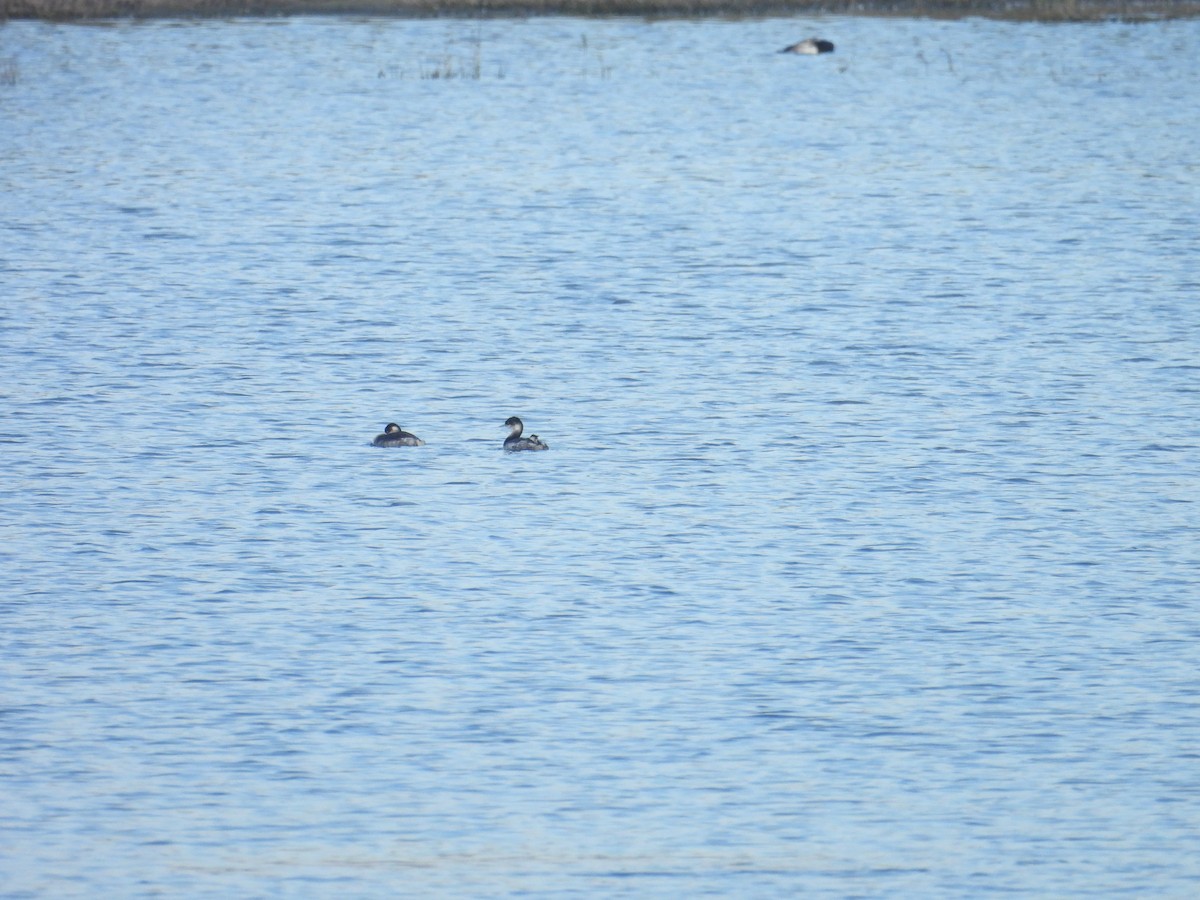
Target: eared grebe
(810, 47)
(515, 442)
(393, 437)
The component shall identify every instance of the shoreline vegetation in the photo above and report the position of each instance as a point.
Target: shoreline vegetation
(1016, 10)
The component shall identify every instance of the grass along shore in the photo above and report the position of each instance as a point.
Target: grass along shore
(1023, 10)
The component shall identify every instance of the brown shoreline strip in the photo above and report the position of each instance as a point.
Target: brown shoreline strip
(1020, 10)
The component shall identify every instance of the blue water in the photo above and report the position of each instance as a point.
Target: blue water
(865, 559)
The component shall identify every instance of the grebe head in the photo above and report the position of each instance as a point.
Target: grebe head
(391, 428)
(514, 424)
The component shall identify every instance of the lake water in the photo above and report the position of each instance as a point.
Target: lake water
(864, 563)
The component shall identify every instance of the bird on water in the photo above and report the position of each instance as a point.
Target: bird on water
(515, 442)
(810, 47)
(394, 436)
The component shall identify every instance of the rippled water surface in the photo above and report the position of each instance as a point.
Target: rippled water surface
(865, 558)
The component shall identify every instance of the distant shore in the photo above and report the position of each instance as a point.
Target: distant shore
(1023, 10)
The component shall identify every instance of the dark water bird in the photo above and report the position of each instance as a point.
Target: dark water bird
(515, 442)
(393, 436)
(810, 47)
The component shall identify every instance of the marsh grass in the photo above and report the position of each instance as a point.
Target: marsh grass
(1027, 10)
(602, 68)
(450, 68)
(452, 65)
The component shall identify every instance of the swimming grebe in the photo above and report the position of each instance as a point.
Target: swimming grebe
(810, 47)
(515, 442)
(393, 437)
